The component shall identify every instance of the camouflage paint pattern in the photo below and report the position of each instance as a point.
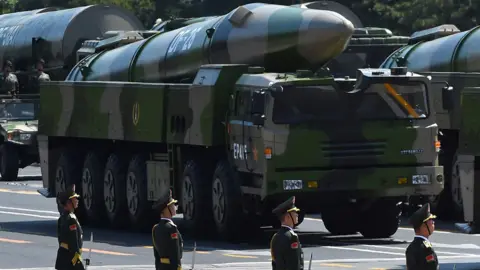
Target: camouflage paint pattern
(453, 59)
(279, 38)
(61, 31)
(453, 53)
(16, 128)
(195, 114)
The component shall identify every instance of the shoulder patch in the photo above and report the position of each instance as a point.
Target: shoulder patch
(174, 235)
(430, 258)
(294, 245)
(427, 244)
(73, 227)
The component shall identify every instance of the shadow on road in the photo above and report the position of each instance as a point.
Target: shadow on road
(253, 240)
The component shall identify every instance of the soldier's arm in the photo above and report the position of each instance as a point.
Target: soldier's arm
(174, 246)
(73, 246)
(279, 244)
(291, 254)
(428, 259)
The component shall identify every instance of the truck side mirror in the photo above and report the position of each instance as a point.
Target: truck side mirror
(258, 107)
(447, 97)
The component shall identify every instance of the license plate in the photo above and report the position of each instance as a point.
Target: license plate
(420, 179)
(292, 184)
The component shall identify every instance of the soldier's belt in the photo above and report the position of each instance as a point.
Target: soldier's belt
(64, 245)
(165, 260)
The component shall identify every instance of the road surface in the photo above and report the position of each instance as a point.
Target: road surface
(28, 241)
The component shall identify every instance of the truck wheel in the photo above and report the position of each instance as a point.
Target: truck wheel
(67, 173)
(9, 162)
(114, 190)
(139, 207)
(92, 187)
(227, 201)
(381, 220)
(340, 221)
(195, 198)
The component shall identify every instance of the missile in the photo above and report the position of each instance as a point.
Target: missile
(279, 38)
(449, 51)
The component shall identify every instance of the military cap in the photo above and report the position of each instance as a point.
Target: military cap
(164, 201)
(68, 194)
(421, 215)
(286, 207)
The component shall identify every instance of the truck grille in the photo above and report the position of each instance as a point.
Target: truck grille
(353, 149)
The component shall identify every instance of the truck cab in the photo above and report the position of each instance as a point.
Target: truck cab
(341, 146)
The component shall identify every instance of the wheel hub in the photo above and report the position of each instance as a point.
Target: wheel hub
(87, 188)
(218, 201)
(109, 191)
(188, 206)
(132, 193)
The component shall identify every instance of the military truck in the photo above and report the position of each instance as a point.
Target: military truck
(18, 132)
(450, 58)
(192, 110)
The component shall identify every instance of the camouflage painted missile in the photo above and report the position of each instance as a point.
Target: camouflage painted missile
(454, 52)
(279, 38)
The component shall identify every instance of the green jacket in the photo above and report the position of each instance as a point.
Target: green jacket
(286, 250)
(168, 245)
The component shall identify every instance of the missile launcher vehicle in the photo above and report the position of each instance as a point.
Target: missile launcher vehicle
(236, 114)
(449, 57)
(55, 36)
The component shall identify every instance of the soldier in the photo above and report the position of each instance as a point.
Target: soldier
(70, 234)
(10, 80)
(420, 253)
(41, 76)
(285, 246)
(167, 240)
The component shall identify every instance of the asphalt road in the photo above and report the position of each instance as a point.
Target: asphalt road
(28, 241)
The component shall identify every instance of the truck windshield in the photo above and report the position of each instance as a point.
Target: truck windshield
(298, 104)
(17, 111)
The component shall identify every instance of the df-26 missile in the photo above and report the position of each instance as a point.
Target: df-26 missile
(279, 38)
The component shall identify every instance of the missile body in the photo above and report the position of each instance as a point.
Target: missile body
(60, 33)
(279, 38)
(457, 52)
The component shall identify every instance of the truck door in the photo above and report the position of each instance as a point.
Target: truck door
(240, 128)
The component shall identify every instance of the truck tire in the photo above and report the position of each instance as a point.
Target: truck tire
(9, 162)
(67, 173)
(340, 221)
(114, 190)
(92, 187)
(381, 220)
(139, 208)
(196, 198)
(227, 202)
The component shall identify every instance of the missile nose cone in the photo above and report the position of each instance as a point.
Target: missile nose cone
(325, 35)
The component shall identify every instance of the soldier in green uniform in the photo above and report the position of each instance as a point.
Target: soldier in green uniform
(285, 247)
(167, 240)
(70, 234)
(420, 253)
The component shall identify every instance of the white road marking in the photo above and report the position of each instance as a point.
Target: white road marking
(365, 250)
(400, 228)
(401, 248)
(28, 215)
(29, 210)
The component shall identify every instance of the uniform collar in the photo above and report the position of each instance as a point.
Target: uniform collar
(167, 219)
(287, 227)
(422, 237)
